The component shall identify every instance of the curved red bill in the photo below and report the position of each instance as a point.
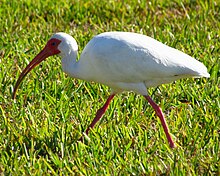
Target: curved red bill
(50, 49)
(38, 59)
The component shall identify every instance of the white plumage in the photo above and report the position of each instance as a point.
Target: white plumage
(123, 61)
(130, 61)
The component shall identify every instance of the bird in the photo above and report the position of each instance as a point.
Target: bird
(123, 61)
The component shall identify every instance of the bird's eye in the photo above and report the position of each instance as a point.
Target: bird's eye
(53, 43)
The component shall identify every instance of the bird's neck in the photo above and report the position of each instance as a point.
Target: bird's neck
(70, 65)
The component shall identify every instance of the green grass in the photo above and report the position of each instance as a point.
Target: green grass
(39, 130)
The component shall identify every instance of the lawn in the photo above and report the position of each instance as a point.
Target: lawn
(40, 129)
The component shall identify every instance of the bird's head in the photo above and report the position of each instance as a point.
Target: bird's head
(60, 43)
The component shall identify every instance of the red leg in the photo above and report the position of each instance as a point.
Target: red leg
(100, 113)
(159, 113)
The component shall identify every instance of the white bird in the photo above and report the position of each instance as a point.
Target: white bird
(123, 61)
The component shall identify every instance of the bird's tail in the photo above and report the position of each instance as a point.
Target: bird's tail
(200, 70)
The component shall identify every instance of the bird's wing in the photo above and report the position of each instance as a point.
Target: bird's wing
(129, 57)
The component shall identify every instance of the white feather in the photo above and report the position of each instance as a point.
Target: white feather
(128, 61)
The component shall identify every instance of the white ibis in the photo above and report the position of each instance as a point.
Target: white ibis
(123, 61)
